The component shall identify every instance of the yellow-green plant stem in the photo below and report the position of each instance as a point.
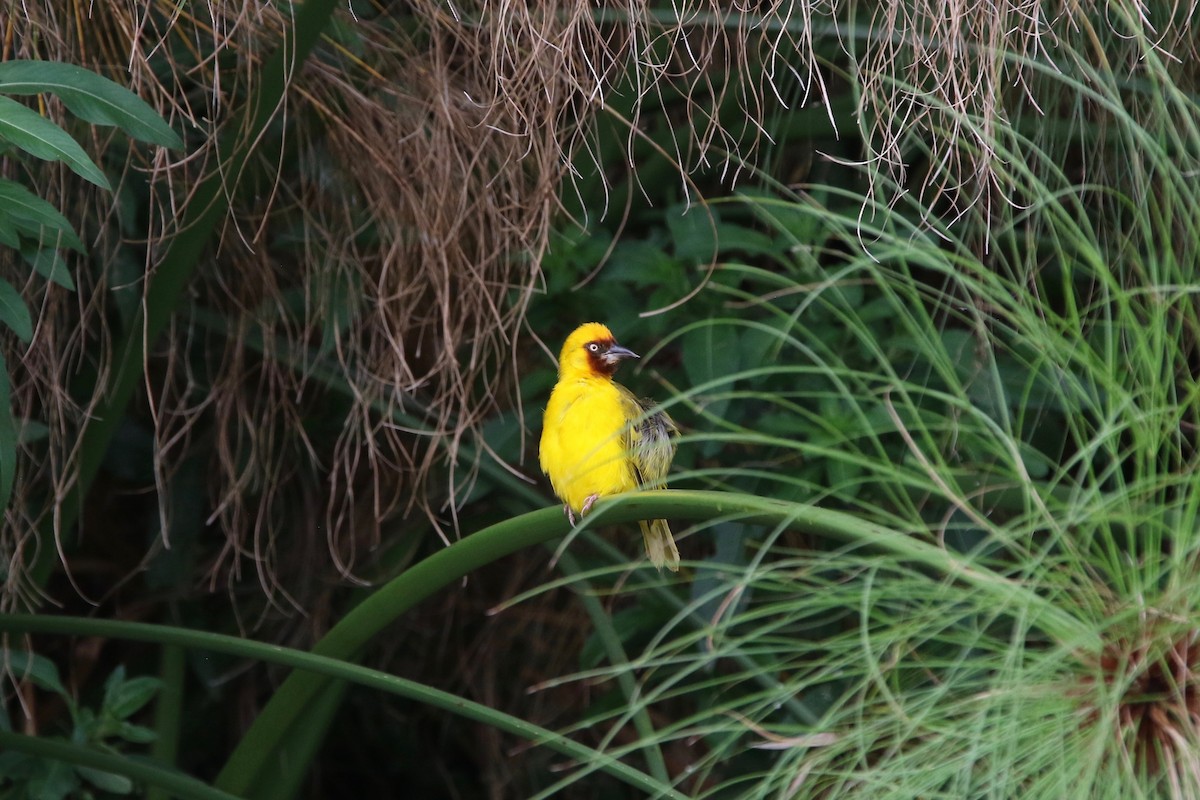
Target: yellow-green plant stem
(253, 767)
(255, 770)
(182, 638)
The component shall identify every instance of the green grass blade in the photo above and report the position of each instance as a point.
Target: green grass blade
(337, 671)
(175, 783)
(251, 762)
(248, 766)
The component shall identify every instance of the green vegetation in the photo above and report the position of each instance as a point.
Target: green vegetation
(268, 442)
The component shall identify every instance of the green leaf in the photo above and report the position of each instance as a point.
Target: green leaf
(57, 780)
(112, 684)
(108, 781)
(89, 96)
(8, 438)
(641, 264)
(731, 555)
(760, 345)
(1035, 462)
(50, 265)
(732, 237)
(138, 734)
(711, 352)
(693, 231)
(795, 222)
(16, 766)
(14, 313)
(123, 698)
(87, 727)
(43, 139)
(8, 232)
(27, 214)
(38, 669)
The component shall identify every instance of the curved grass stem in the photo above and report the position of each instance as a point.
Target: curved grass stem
(250, 765)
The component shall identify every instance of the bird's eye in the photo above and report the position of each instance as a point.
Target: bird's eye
(593, 347)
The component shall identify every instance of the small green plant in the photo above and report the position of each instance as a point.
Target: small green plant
(108, 728)
(30, 224)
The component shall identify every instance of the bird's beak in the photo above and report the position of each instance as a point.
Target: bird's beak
(615, 354)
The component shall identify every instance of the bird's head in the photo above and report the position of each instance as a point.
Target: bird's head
(592, 350)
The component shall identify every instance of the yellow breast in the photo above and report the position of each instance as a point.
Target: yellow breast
(584, 448)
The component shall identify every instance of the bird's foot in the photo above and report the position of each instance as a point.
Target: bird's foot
(588, 503)
(587, 506)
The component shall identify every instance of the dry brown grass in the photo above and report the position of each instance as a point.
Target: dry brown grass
(446, 131)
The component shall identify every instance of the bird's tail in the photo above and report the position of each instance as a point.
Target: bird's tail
(660, 544)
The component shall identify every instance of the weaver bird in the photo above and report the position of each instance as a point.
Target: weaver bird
(598, 440)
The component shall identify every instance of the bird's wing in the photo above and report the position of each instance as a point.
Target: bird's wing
(650, 439)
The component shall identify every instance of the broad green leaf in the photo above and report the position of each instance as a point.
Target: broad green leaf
(14, 313)
(8, 232)
(50, 265)
(693, 232)
(38, 669)
(126, 284)
(710, 352)
(8, 438)
(41, 138)
(342, 298)
(86, 726)
(641, 264)
(796, 223)
(15, 766)
(732, 237)
(33, 217)
(89, 96)
(762, 345)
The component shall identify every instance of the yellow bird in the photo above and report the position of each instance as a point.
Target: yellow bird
(598, 440)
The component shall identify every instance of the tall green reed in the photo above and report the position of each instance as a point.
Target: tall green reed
(1014, 386)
